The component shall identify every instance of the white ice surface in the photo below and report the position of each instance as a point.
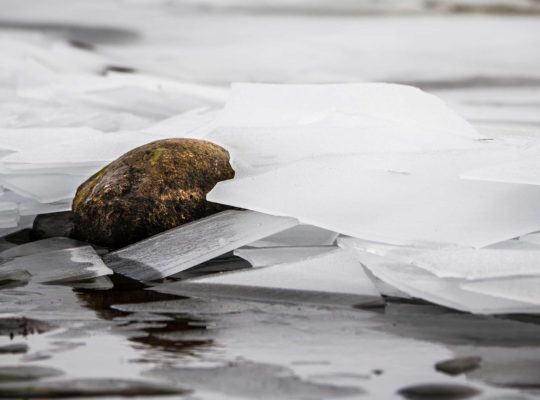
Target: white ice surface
(393, 205)
(526, 171)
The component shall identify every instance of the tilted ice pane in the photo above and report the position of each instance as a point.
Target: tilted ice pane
(340, 194)
(473, 264)
(262, 257)
(523, 289)
(419, 283)
(300, 235)
(40, 246)
(60, 266)
(333, 274)
(188, 245)
(525, 171)
(281, 105)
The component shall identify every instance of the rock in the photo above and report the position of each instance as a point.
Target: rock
(440, 391)
(53, 225)
(148, 190)
(15, 348)
(459, 365)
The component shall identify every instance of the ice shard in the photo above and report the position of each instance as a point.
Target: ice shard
(188, 245)
(332, 277)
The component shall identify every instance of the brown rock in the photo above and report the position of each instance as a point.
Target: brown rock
(151, 189)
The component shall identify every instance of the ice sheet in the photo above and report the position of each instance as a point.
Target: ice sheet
(334, 273)
(189, 245)
(60, 266)
(300, 235)
(266, 256)
(522, 289)
(393, 205)
(40, 246)
(419, 283)
(474, 264)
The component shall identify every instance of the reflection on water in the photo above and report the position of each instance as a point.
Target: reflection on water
(237, 348)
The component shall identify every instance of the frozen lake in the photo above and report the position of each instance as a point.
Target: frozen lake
(481, 56)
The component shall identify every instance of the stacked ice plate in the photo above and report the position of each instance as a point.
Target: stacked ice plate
(424, 206)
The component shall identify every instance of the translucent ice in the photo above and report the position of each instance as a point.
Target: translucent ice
(44, 188)
(40, 246)
(397, 205)
(263, 257)
(189, 245)
(522, 289)
(473, 264)
(60, 266)
(421, 284)
(335, 273)
(398, 105)
(300, 235)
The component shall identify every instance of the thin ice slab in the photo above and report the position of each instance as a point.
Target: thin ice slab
(300, 235)
(393, 205)
(189, 245)
(474, 264)
(421, 284)
(334, 278)
(40, 246)
(60, 266)
(522, 289)
(264, 257)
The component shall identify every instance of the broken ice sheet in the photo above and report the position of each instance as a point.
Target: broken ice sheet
(522, 289)
(300, 235)
(60, 266)
(40, 246)
(342, 194)
(334, 277)
(421, 284)
(188, 245)
(474, 264)
(263, 257)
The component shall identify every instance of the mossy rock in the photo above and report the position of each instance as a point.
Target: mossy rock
(151, 189)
